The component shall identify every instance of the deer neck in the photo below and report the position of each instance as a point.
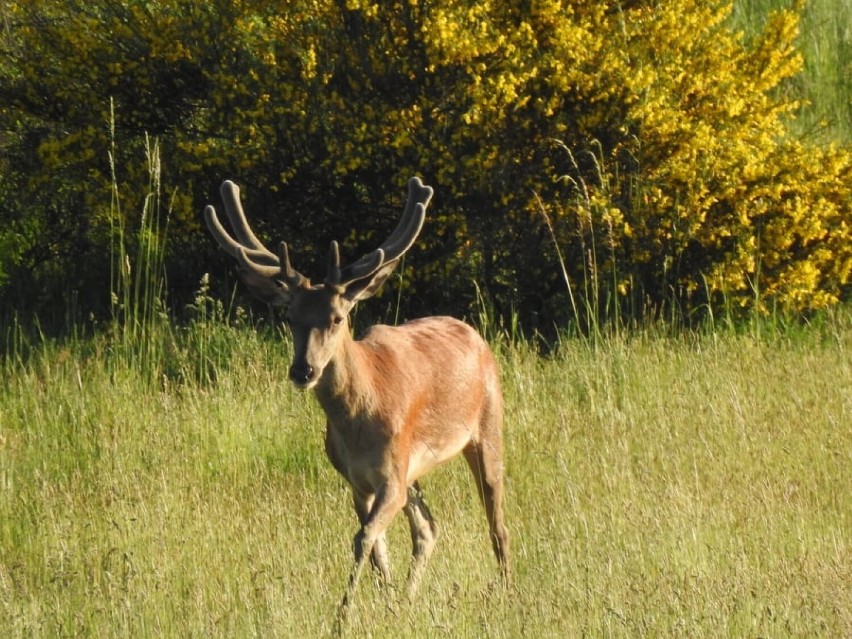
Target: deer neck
(343, 390)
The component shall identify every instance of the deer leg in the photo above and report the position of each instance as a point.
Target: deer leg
(379, 556)
(424, 534)
(486, 463)
(389, 500)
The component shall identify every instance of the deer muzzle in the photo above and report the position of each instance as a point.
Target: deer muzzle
(302, 374)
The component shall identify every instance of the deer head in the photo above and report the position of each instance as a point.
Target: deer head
(317, 313)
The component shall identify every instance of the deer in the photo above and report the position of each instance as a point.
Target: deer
(399, 401)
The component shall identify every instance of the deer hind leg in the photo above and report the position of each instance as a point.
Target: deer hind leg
(424, 534)
(486, 462)
(379, 556)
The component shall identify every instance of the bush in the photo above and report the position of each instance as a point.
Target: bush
(650, 136)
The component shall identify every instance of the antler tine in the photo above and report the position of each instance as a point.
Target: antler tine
(230, 245)
(418, 194)
(234, 208)
(250, 265)
(247, 249)
(397, 243)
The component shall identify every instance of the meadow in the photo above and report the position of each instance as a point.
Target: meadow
(166, 480)
(658, 485)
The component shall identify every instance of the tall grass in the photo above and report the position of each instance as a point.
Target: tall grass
(657, 486)
(137, 266)
(825, 85)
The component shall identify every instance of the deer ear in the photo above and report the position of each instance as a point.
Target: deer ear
(273, 291)
(368, 286)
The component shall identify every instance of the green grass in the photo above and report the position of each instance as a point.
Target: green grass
(691, 486)
(825, 84)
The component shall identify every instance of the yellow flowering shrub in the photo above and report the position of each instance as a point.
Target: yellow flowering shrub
(645, 140)
(686, 189)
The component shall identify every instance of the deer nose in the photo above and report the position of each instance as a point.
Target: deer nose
(301, 373)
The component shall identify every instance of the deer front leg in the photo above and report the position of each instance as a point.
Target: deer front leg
(389, 500)
(379, 555)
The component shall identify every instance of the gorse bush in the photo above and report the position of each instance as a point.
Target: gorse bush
(648, 140)
(699, 197)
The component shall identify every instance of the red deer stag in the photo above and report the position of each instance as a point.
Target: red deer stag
(399, 401)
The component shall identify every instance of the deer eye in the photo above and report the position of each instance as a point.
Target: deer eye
(337, 319)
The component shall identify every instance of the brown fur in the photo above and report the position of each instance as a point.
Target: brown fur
(399, 402)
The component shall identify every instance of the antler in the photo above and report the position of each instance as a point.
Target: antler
(256, 258)
(249, 251)
(393, 248)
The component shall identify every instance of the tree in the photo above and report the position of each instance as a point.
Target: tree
(645, 140)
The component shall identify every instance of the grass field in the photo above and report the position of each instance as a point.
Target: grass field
(169, 482)
(691, 486)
